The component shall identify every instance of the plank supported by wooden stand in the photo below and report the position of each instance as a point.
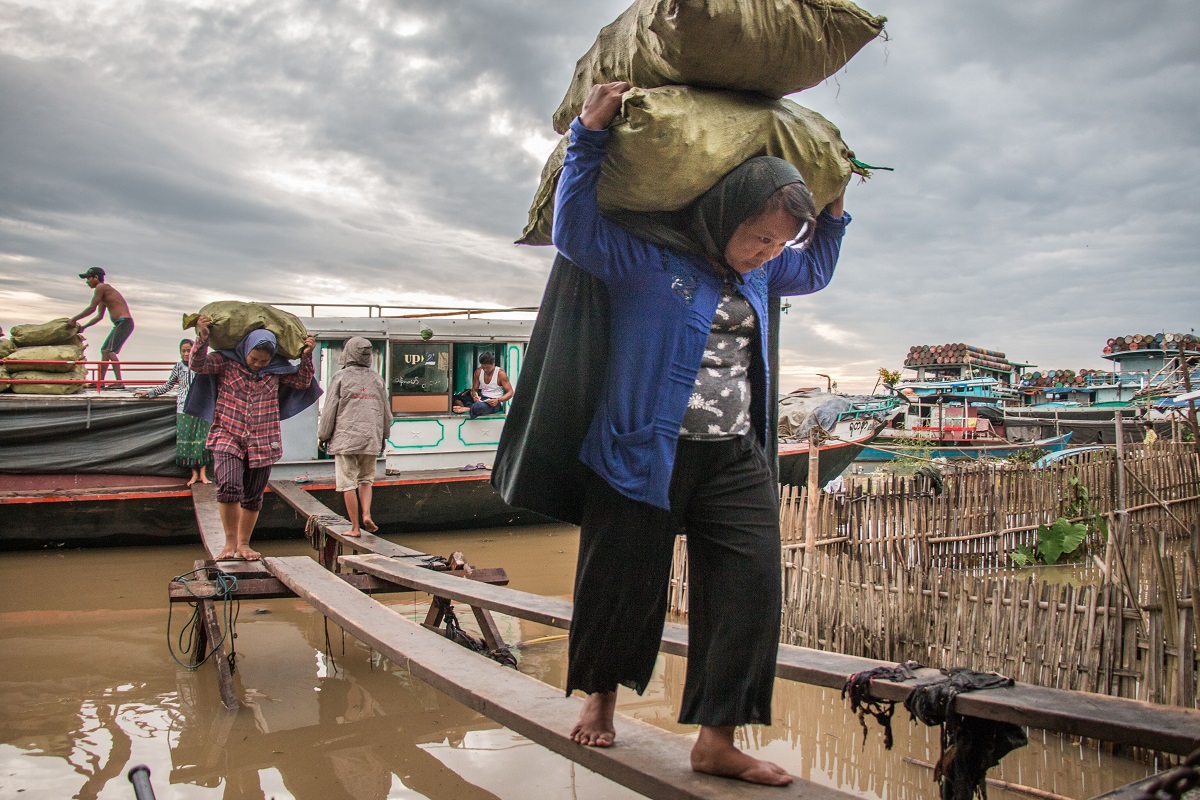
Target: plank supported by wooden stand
(212, 532)
(1114, 719)
(647, 760)
(335, 526)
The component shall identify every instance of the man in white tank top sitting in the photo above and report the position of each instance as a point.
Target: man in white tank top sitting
(488, 391)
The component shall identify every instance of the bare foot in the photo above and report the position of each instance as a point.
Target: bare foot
(226, 555)
(355, 532)
(369, 525)
(595, 725)
(203, 479)
(715, 754)
(459, 409)
(250, 555)
(193, 479)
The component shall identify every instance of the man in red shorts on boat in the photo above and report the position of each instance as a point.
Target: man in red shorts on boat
(107, 298)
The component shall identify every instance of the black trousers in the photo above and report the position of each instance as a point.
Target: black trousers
(724, 499)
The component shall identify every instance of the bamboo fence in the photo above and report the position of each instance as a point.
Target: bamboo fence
(983, 511)
(901, 572)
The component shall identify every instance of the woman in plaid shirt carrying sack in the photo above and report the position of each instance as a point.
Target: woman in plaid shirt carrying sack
(245, 392)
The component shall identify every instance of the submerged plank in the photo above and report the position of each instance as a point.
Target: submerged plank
(1116, 719)
(646, 759)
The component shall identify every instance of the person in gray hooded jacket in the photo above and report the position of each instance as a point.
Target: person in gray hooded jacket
(353, 428)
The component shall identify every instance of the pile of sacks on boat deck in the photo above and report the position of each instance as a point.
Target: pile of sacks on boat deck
(710, 78)
(57, 340)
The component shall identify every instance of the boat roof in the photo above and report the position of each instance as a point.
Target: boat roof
(438, 328)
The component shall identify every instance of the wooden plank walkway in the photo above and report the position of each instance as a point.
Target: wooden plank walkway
(330, 540)
(647, 759)
(1167, 728)
(212, 533)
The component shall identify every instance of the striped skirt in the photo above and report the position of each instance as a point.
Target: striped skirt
(190, 435)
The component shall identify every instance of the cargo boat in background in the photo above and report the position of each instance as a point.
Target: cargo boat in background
(843, 441)
(111, 455)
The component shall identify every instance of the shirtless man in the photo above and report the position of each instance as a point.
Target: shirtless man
(106, 298)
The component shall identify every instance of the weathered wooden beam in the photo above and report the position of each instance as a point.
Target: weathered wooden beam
(308, 506)
(270, 588)
(219, 658)
(1115, 719)
(647, 760)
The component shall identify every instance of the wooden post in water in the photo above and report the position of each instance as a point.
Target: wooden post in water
(814, 489)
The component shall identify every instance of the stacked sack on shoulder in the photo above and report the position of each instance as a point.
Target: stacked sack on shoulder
(55, 341)
(710, 76)
(233, 319)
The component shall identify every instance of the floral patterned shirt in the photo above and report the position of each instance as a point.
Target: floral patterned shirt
(719, 407)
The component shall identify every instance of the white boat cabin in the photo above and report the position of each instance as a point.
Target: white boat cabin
(423, 361)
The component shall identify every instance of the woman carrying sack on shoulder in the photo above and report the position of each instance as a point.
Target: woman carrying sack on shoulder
(677, 440)
(191, 433)
(244, 393)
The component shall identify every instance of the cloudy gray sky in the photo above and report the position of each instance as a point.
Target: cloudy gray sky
(1044, 196)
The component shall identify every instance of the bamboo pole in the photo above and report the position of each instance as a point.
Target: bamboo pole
(814, 488)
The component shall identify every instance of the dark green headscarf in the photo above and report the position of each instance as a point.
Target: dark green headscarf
(705, 227)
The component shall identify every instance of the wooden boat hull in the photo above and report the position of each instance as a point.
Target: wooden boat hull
(78, 511)
(833, 456)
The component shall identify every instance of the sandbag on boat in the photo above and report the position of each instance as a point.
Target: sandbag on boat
(65, 353)
(232, 320)
(78, 373)
(671, 144)
(6, 347)
(56, 331)
(772, 47)
(4, 384)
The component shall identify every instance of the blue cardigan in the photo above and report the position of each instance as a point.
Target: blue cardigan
(662, 305)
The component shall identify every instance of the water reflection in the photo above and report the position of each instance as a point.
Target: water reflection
(88, 690)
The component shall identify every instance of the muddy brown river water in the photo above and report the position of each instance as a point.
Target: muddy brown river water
(88, 688)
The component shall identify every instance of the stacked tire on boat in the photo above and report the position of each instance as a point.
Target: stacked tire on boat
(703, 105)
(1066, 378)
(50, 352)
(956, 354)
(1152, 341)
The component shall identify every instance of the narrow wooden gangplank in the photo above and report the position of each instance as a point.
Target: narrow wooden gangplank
(333, 527)
(212, 533)
(646, 759)
(1167, 728)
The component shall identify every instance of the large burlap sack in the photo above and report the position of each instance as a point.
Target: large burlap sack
(232, 320)
(6, 347)
(57, 331)
(772, 47)
(77, 373)
(4, 384)
(66, 353)
(670, 145)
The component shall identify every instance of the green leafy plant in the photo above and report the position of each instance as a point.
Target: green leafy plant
(1064, 537)
(1027, 455)
(1061, 537)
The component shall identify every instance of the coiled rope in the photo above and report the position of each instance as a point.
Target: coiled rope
(189, 636)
